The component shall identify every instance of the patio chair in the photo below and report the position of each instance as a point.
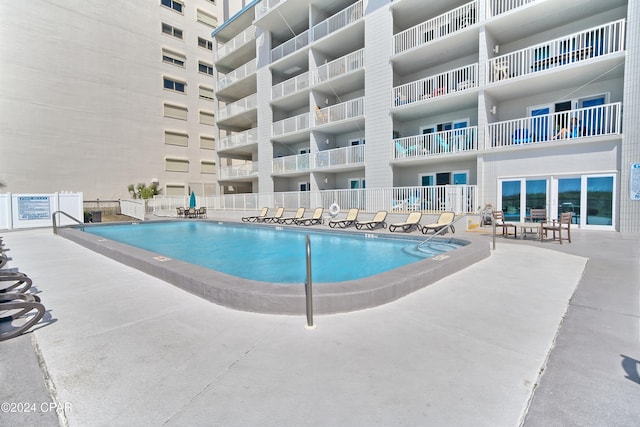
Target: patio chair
(275, 218)
(444, 220)
(192, 213)
(498, 218)
(352, 217)
(20, 308)
(179, 212)
(299, 214)
(202, 212)
(412, 221)
(404, 152)
(377, 221)
(315, 219)
(563, 224)
(14, 282)
(261, 216)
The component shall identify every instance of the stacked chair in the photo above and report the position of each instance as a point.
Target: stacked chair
(19, 308)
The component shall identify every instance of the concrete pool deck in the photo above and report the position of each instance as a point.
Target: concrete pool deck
(120, 347)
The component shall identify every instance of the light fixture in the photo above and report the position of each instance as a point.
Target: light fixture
(326, 141)
(326, 180)
(496, 49)
(493, 109)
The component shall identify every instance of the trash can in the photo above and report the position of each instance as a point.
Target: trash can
(96, 216)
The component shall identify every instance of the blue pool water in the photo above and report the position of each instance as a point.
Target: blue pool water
(271, 254)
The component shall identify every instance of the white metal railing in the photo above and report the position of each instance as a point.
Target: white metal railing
(339, 20)
(353, 155)
(497, 7)
(239, 171)
(575, 124)
(436, 28)
(431, 144)
(576, 47)
(457, 80)
(290, 124)
(290, 46)
(236, 42)
(335, 113)
(238, 139)
(133, 208)
(290, 86)
(237, 107)
(297, 163)
(238, 74)
(346, 64)
(265, 6)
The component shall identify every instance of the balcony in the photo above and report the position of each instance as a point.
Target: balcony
(246, 170)
(289, 164)
(582, 46)
(237, 42)
(237, 107)
(291, 125)
(290, 46)
(237, 74)
(336, 113)
(266, 6)
(346, 156)
(290, 86)
(338, 21)
(498, 7)
(457, 80)
(341, 66)
(436, 28)
(575, 125)
(436, 144)
(240, 139)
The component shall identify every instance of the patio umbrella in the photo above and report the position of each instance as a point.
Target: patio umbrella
(192, 200)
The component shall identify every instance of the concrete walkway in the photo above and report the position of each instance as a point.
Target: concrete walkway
(122, 348)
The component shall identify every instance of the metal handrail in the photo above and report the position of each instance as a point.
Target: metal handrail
(307, 287)
(55, 226)
(440, 231)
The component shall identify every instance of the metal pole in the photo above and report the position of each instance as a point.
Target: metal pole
(493, 225)
(307, 288)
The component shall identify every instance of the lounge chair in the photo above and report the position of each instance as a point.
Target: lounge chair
(299, 214)
(444, 220)
(413, 220)
(261, 216)
(563, 224)
(14, 306)
(498, 218)
(377, 221)
(275, 218)
(11, 281)
(315, 219)
(352, 217)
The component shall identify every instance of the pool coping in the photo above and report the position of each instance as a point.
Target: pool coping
(278, 298)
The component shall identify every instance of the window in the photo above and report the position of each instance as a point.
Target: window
(172, 31)
(175, 190)
(207, 19)
(207, 118)
(207, 143)
(207, 166)
(172, 4)
(205, 93)
(176, 165)
(174, 85)
(205, 68)
(175, 112)
(204, 43)
(173, 58)
(176, 138)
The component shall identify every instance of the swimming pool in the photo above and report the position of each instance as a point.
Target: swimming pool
(276, 297)
(273, 254)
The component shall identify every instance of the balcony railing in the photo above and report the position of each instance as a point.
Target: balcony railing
(567, 125)
(438, 143)
(291, 124)
(353, 155)
(297, 163)
(239, 171)
(238, 74)
(236, 42)
(498, 7)
(341, 66)
(290, 86)
(436, 28)
(237, 107)
(457, 80)
(339, 20)
(335, 113)
(587, 44)
(290, 46)
(239, 139)
(265, 6)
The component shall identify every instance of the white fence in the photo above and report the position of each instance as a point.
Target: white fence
(133, 208)
(290, 86)
(35, 210)
(335, 113)
(346, 64)
(437, 143)
(339, 20)
(238, 171)
(291, 124)
(290, 46)
(456, 80)
(498, 7)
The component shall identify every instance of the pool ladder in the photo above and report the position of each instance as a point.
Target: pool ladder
(307, 288)
(55, 225)
(428, 239)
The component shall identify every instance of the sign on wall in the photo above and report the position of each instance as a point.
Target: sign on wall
(634, 181)
(34, 208)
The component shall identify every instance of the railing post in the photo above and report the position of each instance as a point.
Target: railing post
(308, 289)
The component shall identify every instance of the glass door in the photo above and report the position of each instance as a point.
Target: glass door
(540, 123)
(600, 200)
(536, 195)
(511, 200)
(569, 196)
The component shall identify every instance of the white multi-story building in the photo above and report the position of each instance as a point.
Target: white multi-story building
(98, 95)
(410, 104)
